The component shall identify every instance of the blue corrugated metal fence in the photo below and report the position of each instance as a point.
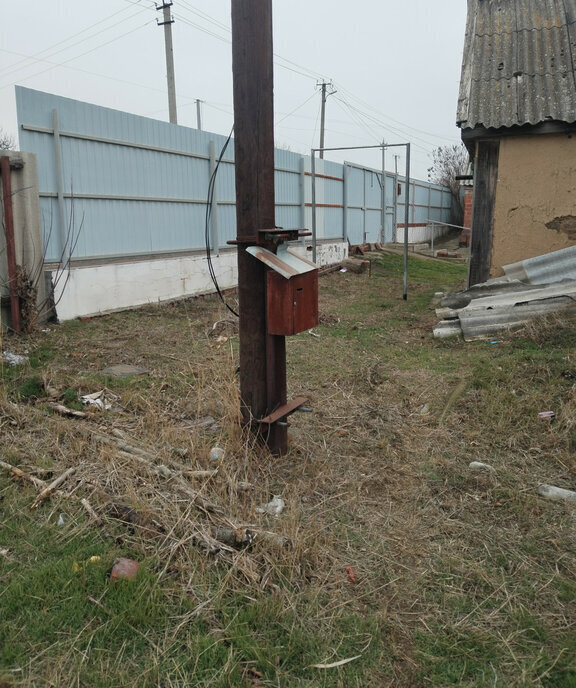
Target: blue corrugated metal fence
(118, 185)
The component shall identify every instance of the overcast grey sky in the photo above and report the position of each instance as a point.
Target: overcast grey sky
(395, 65)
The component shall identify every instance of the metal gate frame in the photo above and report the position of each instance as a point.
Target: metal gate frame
(382, 147)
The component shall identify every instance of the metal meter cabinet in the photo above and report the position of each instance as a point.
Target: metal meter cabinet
(291, 291)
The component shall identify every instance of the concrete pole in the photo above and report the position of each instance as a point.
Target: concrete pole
(167, 24)
(322, 119)
(198, 115)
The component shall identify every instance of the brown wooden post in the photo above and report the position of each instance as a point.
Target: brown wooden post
(262, 356)
(485, 178)
(10, 242)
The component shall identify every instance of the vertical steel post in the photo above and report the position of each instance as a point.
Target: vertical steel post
(395, 209)
(406, 221)
(10, 242)
(364, 207)
(383, 213)
(262, 356)
(346, 183)
(313, 174)
(198, 114)
(302, 192)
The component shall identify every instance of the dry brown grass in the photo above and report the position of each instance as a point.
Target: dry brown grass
(465, 576)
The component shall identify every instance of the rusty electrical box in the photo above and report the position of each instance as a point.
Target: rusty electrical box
(292, 304)
(291, 291)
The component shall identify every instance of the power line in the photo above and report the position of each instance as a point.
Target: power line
(295, 109)
(87, 71)
(63, 64)
(388, 127)
(205, 16)
(371, 108)
(51, 49)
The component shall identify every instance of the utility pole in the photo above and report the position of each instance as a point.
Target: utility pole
(262, 356)
(199, 114)
(167, 24)
(323, 85)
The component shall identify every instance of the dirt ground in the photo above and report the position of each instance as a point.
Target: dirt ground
(464, 574)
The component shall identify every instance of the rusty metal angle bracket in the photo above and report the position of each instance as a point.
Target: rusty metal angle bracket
(282, 411)
(271, 236)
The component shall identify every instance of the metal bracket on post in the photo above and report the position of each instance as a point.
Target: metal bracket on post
(282, 412)
(275, 236)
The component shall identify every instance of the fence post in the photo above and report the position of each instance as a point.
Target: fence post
(345, 183)
(215, 236)
(59, 182)
(302, 191)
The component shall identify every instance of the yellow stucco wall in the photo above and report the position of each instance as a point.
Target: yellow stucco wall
(536, 187)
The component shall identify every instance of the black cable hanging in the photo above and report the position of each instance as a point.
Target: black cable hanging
(209, 204)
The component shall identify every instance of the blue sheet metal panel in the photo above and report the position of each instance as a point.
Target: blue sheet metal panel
(49, 226)
(437, 214)
(355, 226)
(333, 169)
(333, 222)
(97, 168)
(436, 197)
(419, 214)
(225, 182)
(373, 190)
(35, 108)
(333, 191)
(177, 226)
(373, 225)
(421, 195)
(102, 168)
(390, 190)
(113, 228)
(288, 216)
(355, 183)
(226, 224)
(287, 160)
(388, 228)
(287, 187)
(43, 146)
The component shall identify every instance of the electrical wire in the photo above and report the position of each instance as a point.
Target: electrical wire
(87, 71)
(372, 109)
(203, 15)
(63, 64)
(294, 110)
(209, 204)
(50, 49)
(427, 145)
(187, 21)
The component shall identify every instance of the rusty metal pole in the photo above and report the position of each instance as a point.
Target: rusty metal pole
(10, 242)
(262, 356)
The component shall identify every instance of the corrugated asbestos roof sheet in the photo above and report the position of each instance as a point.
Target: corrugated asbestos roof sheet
(531, 288)
(518, 66)
(551, 267)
